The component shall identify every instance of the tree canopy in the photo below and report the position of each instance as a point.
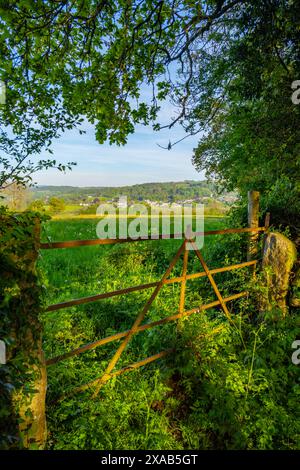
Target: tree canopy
(93, 56)
(253, 141)
(228, 66)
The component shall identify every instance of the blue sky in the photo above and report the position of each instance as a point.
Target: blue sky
(139, 161)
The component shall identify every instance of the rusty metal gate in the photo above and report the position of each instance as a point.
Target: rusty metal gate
(138, 324)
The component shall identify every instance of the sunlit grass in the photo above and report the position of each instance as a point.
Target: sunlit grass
(83, 271)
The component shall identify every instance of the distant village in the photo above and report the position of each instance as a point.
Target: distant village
(227, 199)
(86, 200)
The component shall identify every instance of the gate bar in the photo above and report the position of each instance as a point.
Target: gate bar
(113, 241)
(137, 322)
(106, 295)
(144, 327)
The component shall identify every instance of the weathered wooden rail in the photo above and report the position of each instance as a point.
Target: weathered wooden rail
(157, 285)
(113, 241)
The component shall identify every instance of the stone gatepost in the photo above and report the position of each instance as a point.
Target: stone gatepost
(279, 257)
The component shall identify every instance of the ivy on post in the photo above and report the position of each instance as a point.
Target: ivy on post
(23, 376)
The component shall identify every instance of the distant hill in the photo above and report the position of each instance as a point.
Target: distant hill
(162, 192)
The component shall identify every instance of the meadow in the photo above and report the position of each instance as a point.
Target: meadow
(206, 395)
(83, 271)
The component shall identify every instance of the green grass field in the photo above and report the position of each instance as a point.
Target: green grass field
(226, 386)
(83, 271)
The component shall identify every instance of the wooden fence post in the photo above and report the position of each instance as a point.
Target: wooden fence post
(253, 222)
(25, 373)
(32, 410)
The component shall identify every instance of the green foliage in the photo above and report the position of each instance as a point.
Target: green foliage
(226, 387)
(82, 272)
(56, 205)
(20, 305)
(125, 417)
(37, 205)
(236, 389)
(242, 394)
(108, 51)
(282, 200)
(236, 86)
(253, 141)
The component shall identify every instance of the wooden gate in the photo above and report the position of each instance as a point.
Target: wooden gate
(138, 324)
